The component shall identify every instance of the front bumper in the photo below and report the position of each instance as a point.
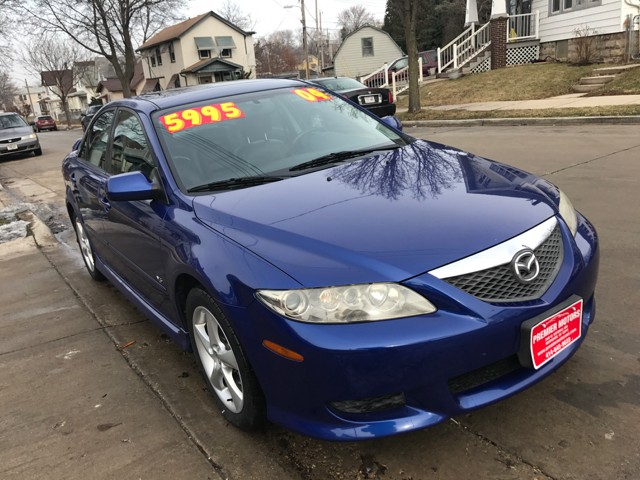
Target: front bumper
(382, 378)
(22, 146)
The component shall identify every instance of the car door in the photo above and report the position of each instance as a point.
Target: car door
(88, 177)
(130, 228)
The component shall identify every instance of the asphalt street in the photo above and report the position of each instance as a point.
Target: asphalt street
(581, 423)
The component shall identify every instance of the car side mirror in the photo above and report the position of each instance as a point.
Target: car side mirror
(132, 186)
(392, 121)
(83, 114)
(76, 144)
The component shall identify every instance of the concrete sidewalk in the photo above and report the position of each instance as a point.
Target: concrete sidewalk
(573, 100)
(71, 406)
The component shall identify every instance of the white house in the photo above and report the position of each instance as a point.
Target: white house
(203, 49)
(364, 51)
(562, 21)
(32, 101)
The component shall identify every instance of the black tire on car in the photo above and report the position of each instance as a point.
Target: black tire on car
(223, 363)
(37, 152)
(86, 249)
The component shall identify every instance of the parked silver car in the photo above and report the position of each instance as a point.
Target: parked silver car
(16, 136)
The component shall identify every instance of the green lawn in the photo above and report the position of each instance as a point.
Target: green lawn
(524, 82)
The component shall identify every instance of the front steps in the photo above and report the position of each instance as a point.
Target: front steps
(601, 78)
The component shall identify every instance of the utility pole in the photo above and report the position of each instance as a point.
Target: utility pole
(30, 101)
(305, 46)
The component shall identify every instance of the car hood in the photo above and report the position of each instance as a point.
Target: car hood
(15, 132)
(386, 217)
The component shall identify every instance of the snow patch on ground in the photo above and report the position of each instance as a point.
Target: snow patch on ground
(10, 227)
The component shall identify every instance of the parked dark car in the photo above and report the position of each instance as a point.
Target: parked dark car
(17, 136)
(331, 273)
(377, 100)
(85, 118)
(44, 122)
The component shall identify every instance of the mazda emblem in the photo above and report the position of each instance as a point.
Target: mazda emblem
(525, 266)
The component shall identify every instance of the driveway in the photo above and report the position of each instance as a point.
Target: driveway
(580, 423)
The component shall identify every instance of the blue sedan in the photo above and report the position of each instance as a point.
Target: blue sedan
(330, 273)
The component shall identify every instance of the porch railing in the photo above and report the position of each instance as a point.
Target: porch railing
(377, 78)
(466, 46)
(525, 26)
(400, 79)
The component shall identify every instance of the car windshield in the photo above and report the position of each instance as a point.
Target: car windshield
(264, 134)
(340, 83)
(11, 121)
(93, 110)
(45, 117)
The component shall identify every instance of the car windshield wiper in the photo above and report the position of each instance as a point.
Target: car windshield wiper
(339, 156)
(234, 183)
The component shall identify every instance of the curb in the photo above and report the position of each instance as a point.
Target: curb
(539, 121)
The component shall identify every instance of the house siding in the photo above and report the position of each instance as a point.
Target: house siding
(186, 52)
(604, 19)
(349, 61)
(243, 54)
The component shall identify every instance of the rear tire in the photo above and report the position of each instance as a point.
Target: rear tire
(222, 362)
(87, 250)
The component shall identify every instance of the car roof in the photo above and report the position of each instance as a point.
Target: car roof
(179, 96)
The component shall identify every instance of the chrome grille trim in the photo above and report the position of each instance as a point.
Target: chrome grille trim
(498, 255)
(498, 284)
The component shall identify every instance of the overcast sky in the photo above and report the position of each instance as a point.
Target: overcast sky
(270, 15)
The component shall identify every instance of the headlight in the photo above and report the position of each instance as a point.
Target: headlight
(351, 303)
(568, 213)
(30, 137)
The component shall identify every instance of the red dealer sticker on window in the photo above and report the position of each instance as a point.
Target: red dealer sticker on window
(555, 333)
(311, 94)
(193, 117)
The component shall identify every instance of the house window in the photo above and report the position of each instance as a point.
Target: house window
(204, 46)
(367, 47)
(205, 79)
(153, 60)
(226, 53)
(172, 53)
(562, 6)
(158, 56)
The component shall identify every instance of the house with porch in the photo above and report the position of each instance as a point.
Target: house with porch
(539, 29)
(203, 49)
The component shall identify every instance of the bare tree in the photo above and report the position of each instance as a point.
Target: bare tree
(409, 13)
(7, 91)
(111, 28)
(6, 11)
(352, 18)
(55, 61)
(232, 12)
(278, 53)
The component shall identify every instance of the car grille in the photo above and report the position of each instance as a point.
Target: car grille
(11, 140)
(484, 375)
(499, 284)
(368, 405)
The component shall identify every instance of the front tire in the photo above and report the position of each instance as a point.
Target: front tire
(87, 251)
(37, 152)
(223, 363)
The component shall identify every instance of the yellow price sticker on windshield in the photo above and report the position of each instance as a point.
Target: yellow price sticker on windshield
(193, 117)
(311, 94)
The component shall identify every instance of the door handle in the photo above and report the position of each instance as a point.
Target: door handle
(104, 201)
